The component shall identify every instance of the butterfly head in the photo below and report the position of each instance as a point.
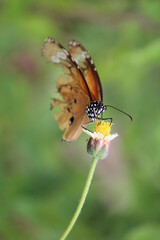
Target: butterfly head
(95, 109)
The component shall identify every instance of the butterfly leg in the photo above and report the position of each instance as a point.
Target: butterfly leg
(111, 119)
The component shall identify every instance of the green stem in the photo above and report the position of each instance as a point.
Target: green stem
(82, 200)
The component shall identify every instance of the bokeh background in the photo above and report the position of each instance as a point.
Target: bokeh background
(41, 178)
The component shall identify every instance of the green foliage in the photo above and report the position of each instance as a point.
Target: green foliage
(41, 178)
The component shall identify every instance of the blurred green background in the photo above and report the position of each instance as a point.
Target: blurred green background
(41, 178)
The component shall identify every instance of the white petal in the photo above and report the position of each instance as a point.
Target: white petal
(100, 136)
(111, 137)
(88, 132)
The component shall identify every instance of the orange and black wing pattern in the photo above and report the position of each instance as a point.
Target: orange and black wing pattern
(85, 62)
(73, 89)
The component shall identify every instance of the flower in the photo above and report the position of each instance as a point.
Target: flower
(98, 144)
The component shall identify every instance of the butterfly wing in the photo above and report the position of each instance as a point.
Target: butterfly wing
(74, 91)
(85, 62)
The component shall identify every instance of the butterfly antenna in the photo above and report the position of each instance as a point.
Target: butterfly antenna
(121, 111)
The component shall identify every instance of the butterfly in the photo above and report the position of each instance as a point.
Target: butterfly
(80, 88)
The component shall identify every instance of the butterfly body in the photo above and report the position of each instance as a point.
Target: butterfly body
(95, 109)
(79, 87)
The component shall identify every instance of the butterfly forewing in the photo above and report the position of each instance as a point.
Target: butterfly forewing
(57, 54)
(72, 88)
(85, 62)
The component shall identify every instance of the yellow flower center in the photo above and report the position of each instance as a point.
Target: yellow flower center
(103, 128)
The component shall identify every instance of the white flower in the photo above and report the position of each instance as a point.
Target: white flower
(100, 136)
(98, 144)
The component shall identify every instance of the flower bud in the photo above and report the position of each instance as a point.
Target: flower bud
(97, 148)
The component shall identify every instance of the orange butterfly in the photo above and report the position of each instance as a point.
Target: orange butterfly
(79, 87)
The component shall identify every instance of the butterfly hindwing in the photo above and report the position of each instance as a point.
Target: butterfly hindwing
(85, 62)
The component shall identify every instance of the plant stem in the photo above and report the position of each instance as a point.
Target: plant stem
(82, 199)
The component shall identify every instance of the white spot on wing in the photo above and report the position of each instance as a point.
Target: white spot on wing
(55, 59)
(80, 58)
(61, 55)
